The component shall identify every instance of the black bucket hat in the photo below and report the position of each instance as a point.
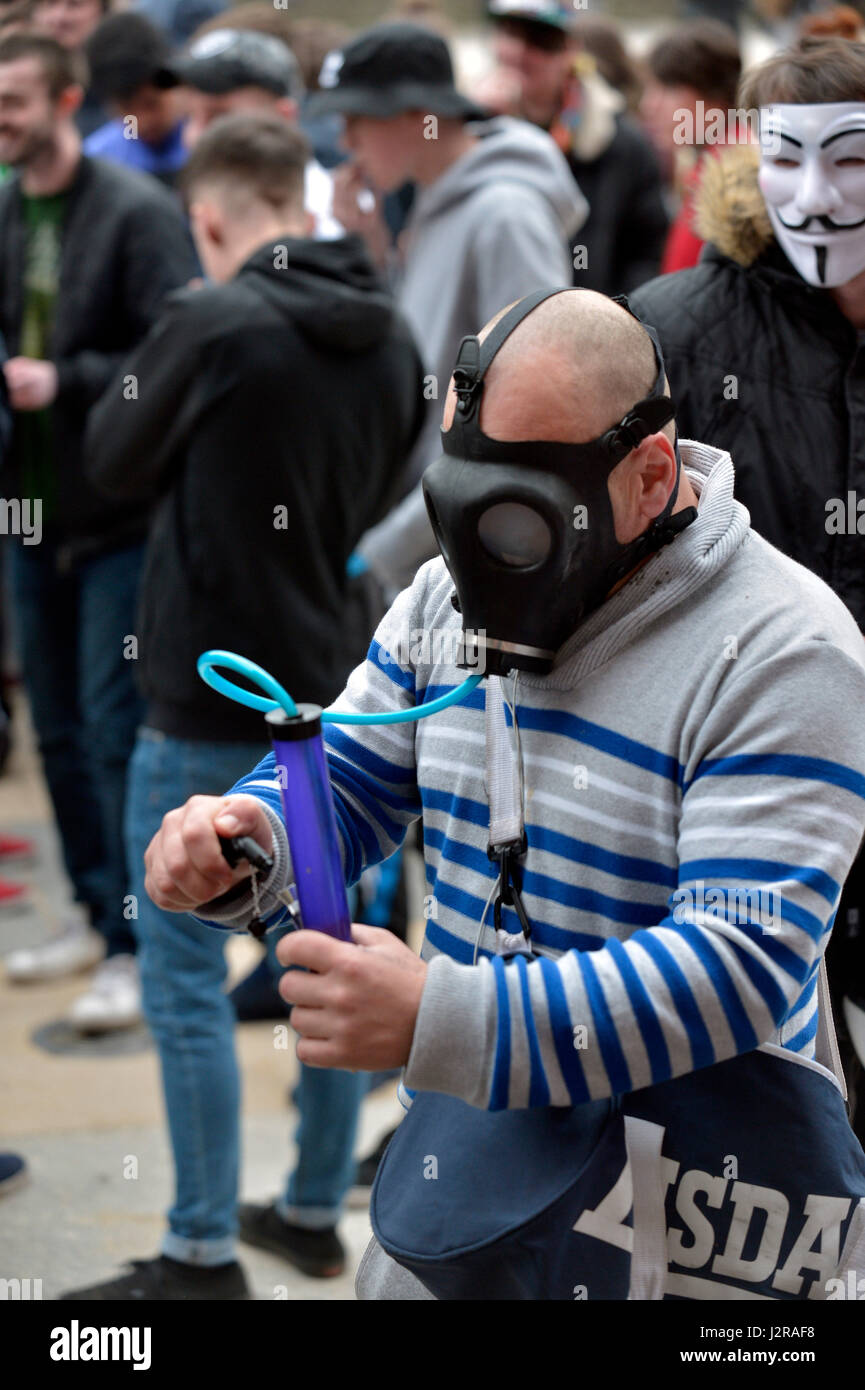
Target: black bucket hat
(390, 69)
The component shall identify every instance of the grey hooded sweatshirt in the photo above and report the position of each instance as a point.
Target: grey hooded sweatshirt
(496, 225)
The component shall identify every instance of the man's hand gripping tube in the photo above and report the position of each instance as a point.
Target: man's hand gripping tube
(310, 823)
(301, 767)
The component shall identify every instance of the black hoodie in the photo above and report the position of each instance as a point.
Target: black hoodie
(271, 417)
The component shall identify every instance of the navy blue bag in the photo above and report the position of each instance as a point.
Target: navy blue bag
(740, 1181)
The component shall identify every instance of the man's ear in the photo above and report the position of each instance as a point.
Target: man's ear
(69, 101)
(656, 465)
(207, 223)
(640, 485)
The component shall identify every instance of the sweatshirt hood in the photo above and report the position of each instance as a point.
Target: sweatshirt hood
(670, 578)
(507, 150)
(328, 289)
(601, 107)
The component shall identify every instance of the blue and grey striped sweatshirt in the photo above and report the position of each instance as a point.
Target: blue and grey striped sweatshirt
(695, 794)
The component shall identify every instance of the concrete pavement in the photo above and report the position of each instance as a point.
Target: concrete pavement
(90, 1125)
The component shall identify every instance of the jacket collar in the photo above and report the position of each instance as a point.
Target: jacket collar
(81, 179)
(774, 272)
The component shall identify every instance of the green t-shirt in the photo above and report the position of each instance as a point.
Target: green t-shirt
(43, 218)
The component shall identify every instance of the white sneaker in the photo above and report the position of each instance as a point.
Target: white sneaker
(113, 999)
(76, 947)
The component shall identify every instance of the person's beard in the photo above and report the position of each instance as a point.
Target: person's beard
(34, 146)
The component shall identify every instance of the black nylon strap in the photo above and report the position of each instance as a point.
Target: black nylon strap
(503, 329)
(646, 417)
(474, 357)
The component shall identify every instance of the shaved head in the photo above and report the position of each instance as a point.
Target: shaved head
(568, 372)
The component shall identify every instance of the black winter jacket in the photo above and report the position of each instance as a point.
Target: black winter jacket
(5, 412)
(764, 365)
(274, 417)
(125, 246)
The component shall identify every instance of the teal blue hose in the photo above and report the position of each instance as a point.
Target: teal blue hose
(282, 700)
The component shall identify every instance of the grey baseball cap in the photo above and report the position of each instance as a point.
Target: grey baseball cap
(225, 59)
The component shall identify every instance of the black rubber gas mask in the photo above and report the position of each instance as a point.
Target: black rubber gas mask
(526, 529)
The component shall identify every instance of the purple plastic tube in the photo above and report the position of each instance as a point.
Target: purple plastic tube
(307, 804)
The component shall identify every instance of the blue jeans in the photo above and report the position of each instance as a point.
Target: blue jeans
(183, 975)
(79, 671)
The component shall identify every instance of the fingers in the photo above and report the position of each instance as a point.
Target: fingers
(352, 1008)
(318, 951)
(244, 815)
(344, 172)
(172, 880)
(315, 1053)
(303, 988)
(184, 861)
(32, 384)
(312, 1023)
(191, 854)
(21, 385)
(370, 936)
(315, 950)
(19, 371)
(163, 891)
(386, 944)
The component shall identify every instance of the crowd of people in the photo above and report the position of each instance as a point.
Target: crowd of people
(239, 253)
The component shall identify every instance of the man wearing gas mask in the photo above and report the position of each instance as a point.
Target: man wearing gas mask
(765, 347)
(670, 708)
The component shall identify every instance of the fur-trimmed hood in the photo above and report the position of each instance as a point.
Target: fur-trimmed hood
(730, 211)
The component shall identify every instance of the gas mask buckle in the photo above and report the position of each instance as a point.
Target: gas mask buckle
(507, 857)
(629, 434)
(468, 381)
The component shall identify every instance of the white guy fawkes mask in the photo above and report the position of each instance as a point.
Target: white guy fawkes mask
(812, 176)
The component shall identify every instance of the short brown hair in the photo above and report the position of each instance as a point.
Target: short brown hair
(703, 54)
(261, 154)
(61, 67)
(812, 71)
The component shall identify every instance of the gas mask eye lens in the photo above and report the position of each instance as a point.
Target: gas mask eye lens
(515, 535)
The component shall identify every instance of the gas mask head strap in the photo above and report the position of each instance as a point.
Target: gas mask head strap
(474, 356)
(466, 439)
